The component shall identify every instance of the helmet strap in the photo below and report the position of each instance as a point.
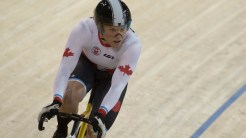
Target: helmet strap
(100, 28)
(129, 24)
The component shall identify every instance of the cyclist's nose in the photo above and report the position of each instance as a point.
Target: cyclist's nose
(118, 36)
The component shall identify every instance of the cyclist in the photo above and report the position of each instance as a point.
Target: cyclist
(101, 55)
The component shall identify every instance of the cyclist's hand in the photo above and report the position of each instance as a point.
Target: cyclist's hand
(98, 124)
(50, 111)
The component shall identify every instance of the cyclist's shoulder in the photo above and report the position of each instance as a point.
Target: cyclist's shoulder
(131, 38)
(84, 28)
(131, 41)
(87, 25)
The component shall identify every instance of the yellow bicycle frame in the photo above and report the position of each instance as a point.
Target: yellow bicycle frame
(83, 126)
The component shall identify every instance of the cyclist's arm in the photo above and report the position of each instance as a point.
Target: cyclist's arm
(79, 38)
(122, 74)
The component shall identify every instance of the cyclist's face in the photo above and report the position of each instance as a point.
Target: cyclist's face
(114, 35)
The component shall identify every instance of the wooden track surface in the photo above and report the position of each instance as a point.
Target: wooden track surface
(192, 62)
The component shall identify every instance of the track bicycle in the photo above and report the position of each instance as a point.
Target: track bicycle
(80, 122)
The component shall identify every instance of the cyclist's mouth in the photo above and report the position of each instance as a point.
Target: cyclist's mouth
(117, 42)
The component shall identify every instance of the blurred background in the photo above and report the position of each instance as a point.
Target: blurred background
(192, 62)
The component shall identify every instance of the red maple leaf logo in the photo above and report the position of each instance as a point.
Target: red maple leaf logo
(68, 53)
(125, 69)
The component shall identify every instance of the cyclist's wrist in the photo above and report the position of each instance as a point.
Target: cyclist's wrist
(57, 100)
(102, 111)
